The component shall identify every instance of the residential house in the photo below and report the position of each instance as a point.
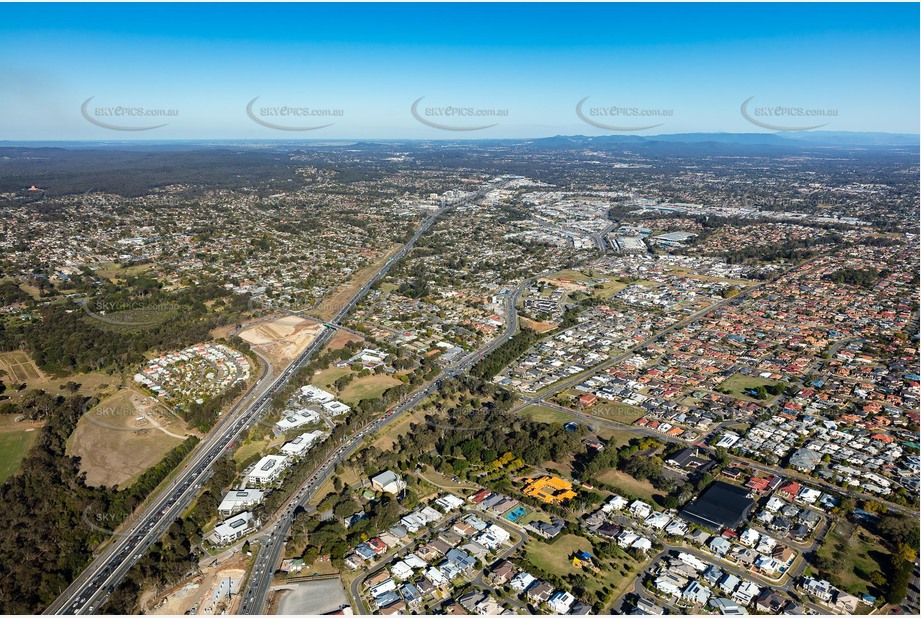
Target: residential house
(695, 593)
(745, 593)
(539, 592)
(560, 602)
(770, 602)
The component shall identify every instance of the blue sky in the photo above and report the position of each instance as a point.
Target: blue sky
(684, 67)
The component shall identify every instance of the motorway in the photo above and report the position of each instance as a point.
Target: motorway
(94, 585)
(272, 543)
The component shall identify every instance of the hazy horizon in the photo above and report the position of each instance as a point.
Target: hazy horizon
(484, 71)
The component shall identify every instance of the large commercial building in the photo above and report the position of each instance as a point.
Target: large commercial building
(627, 244)
(231, 529)
(267, 470)
(720, 506)
(293, 420)
(301, 444)
(239, 499)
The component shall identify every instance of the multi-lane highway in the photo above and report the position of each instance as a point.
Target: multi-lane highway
(272, 542)
(92, 587)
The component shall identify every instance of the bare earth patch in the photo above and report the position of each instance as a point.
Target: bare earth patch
(282, 339)
(540, 327)
(199, 592)
(123, 436)
(340, 339)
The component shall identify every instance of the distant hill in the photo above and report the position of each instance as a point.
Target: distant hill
(784, 139)
(798, 138)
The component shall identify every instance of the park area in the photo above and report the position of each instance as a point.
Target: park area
(543, 414)
(614, 573)
(615, 411)
(630, 486)
(366, 387)
(746, 387)
(15, 441)
(850, 556)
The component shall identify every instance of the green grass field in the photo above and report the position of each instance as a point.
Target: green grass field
(858, 548)
(573, 275)
(325, 378)
(13, 447)
(369, 387)
(556, 557)
(614, 411)
(245, 451)
(737, 384)
(616, 573)
(643, 489)
(619, 437)
(609, 289)
(546, 415)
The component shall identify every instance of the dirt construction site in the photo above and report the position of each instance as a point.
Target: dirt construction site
(213, 592)
(282, 339)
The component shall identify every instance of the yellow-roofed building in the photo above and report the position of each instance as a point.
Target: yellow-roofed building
(550, 489)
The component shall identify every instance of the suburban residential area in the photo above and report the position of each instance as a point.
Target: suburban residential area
(383, 309)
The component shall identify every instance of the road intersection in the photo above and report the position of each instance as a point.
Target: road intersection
(97, 582)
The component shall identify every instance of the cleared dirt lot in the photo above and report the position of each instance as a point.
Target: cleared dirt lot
(203, 593)
(122, 436)
(338, 341)
(306, 598)
(282, 339)
(541, 327)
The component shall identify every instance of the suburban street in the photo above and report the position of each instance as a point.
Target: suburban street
(144, 528)
(90, 590)
(271, 546)
(478, 580)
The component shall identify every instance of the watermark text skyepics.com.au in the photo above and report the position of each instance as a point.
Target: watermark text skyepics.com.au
(291, 117)
(125, 117)
(107, 523)
(134, 413)
(786, 117)
(455, 117)
(621, 117)
(131, 314)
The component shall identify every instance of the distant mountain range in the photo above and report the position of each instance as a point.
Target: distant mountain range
(694, 141)
(797, 138)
